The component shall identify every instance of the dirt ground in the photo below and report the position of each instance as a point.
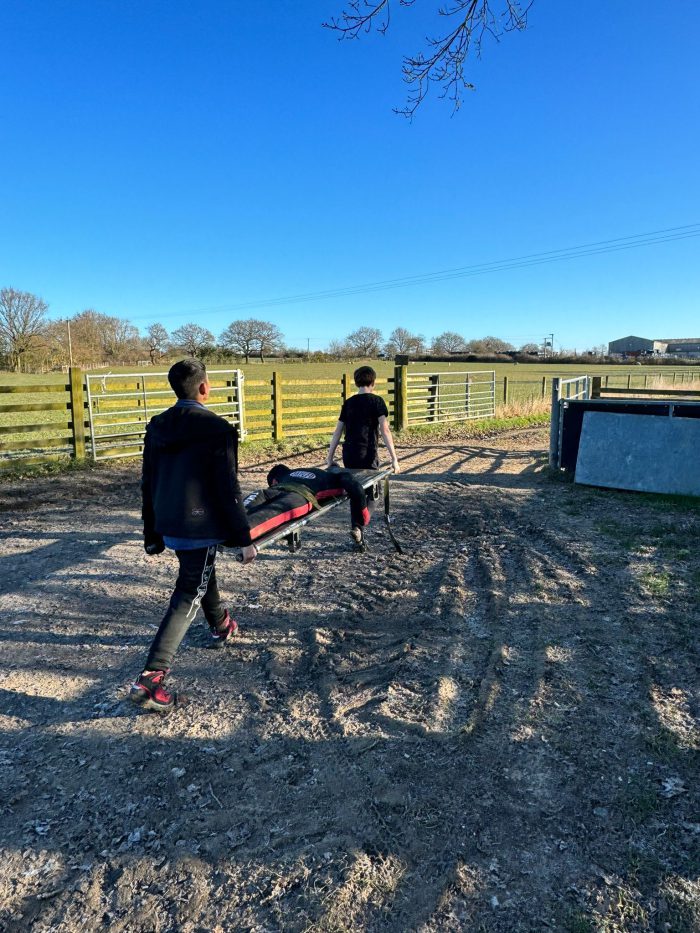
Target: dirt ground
(497, 731)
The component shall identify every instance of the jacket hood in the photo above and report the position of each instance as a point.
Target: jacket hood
(179, 427)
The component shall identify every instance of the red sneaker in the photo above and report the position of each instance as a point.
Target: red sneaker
(222, 634)
(149, 693)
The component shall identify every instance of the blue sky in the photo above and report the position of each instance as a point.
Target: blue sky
(170, 161)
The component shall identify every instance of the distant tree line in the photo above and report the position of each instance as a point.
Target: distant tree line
(368, 342)
(29, 340)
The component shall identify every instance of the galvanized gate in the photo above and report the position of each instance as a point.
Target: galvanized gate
(120, 406)
(450, 396)
(563, 390)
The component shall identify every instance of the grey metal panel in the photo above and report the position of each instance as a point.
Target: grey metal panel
(640, 452)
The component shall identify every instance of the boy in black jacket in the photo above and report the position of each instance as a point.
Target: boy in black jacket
(191, 503)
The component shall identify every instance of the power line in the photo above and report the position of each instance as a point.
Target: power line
(601, 247)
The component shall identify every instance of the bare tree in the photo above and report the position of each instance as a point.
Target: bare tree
(532, 349)
(403, 341)
(364, 342)
(338, 349)
(269, 339)
(157, 340)
(240, 337)
(489, 345)
(251, 336)
(468, 23)
(193, 339)
(120, 339)
(22, 323)
(99, 338)
(449, 342)
(86, 334)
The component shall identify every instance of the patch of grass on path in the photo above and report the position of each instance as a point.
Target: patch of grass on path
(486, 427)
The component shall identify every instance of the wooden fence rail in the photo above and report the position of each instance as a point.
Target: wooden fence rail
(48, 422)
(50, 438)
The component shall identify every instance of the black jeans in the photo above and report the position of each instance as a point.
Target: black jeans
(195, 586)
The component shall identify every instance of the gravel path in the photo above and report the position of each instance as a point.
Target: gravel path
(497, 731)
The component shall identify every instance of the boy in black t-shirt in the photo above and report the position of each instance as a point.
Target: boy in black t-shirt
(363, 417)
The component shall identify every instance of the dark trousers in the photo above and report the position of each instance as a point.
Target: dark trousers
(195, 586)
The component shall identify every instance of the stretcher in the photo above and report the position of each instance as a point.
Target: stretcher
(376, 485)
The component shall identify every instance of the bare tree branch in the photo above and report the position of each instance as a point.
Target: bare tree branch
(251, 336)
(193, 339)
(22, 323)
(443, 62)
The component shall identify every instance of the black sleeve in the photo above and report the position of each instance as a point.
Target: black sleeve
(230, 496)
(343, 416)
(359, 513)
(381, 407)
(254, 500)
(152, 541)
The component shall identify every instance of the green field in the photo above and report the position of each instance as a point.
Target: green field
(525, 388)
(527, 372)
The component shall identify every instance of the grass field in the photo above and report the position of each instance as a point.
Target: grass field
(529, 389)
(525, 372)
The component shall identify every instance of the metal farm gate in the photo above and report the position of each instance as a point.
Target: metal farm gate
(450, 396)
(564, 391)
(120, 406)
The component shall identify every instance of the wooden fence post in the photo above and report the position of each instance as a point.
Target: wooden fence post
(467, 393)
(505, 390)
(277, 424)
(345, 391)
(77, 404)
(596, 385)
(400, 397)
(629, 380)
(544, 386)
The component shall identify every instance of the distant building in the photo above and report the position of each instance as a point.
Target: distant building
(636, 346)
(687, 346)
(642, 346)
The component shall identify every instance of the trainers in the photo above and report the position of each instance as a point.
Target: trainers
(149, 693)
(358, 539)
(226, 629)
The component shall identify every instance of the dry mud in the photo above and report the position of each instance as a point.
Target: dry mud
(497, 731)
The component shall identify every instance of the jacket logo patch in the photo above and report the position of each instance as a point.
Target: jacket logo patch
(303, 474)
(198, 511)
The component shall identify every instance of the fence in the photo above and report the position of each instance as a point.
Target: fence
(279, 408)
(43, 422)
(120, 406)
(430, 398)
(108, 414)
(563, 390)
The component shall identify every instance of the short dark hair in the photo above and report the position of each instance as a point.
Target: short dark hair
(365, 376)
(186, 377)
(278, 473)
